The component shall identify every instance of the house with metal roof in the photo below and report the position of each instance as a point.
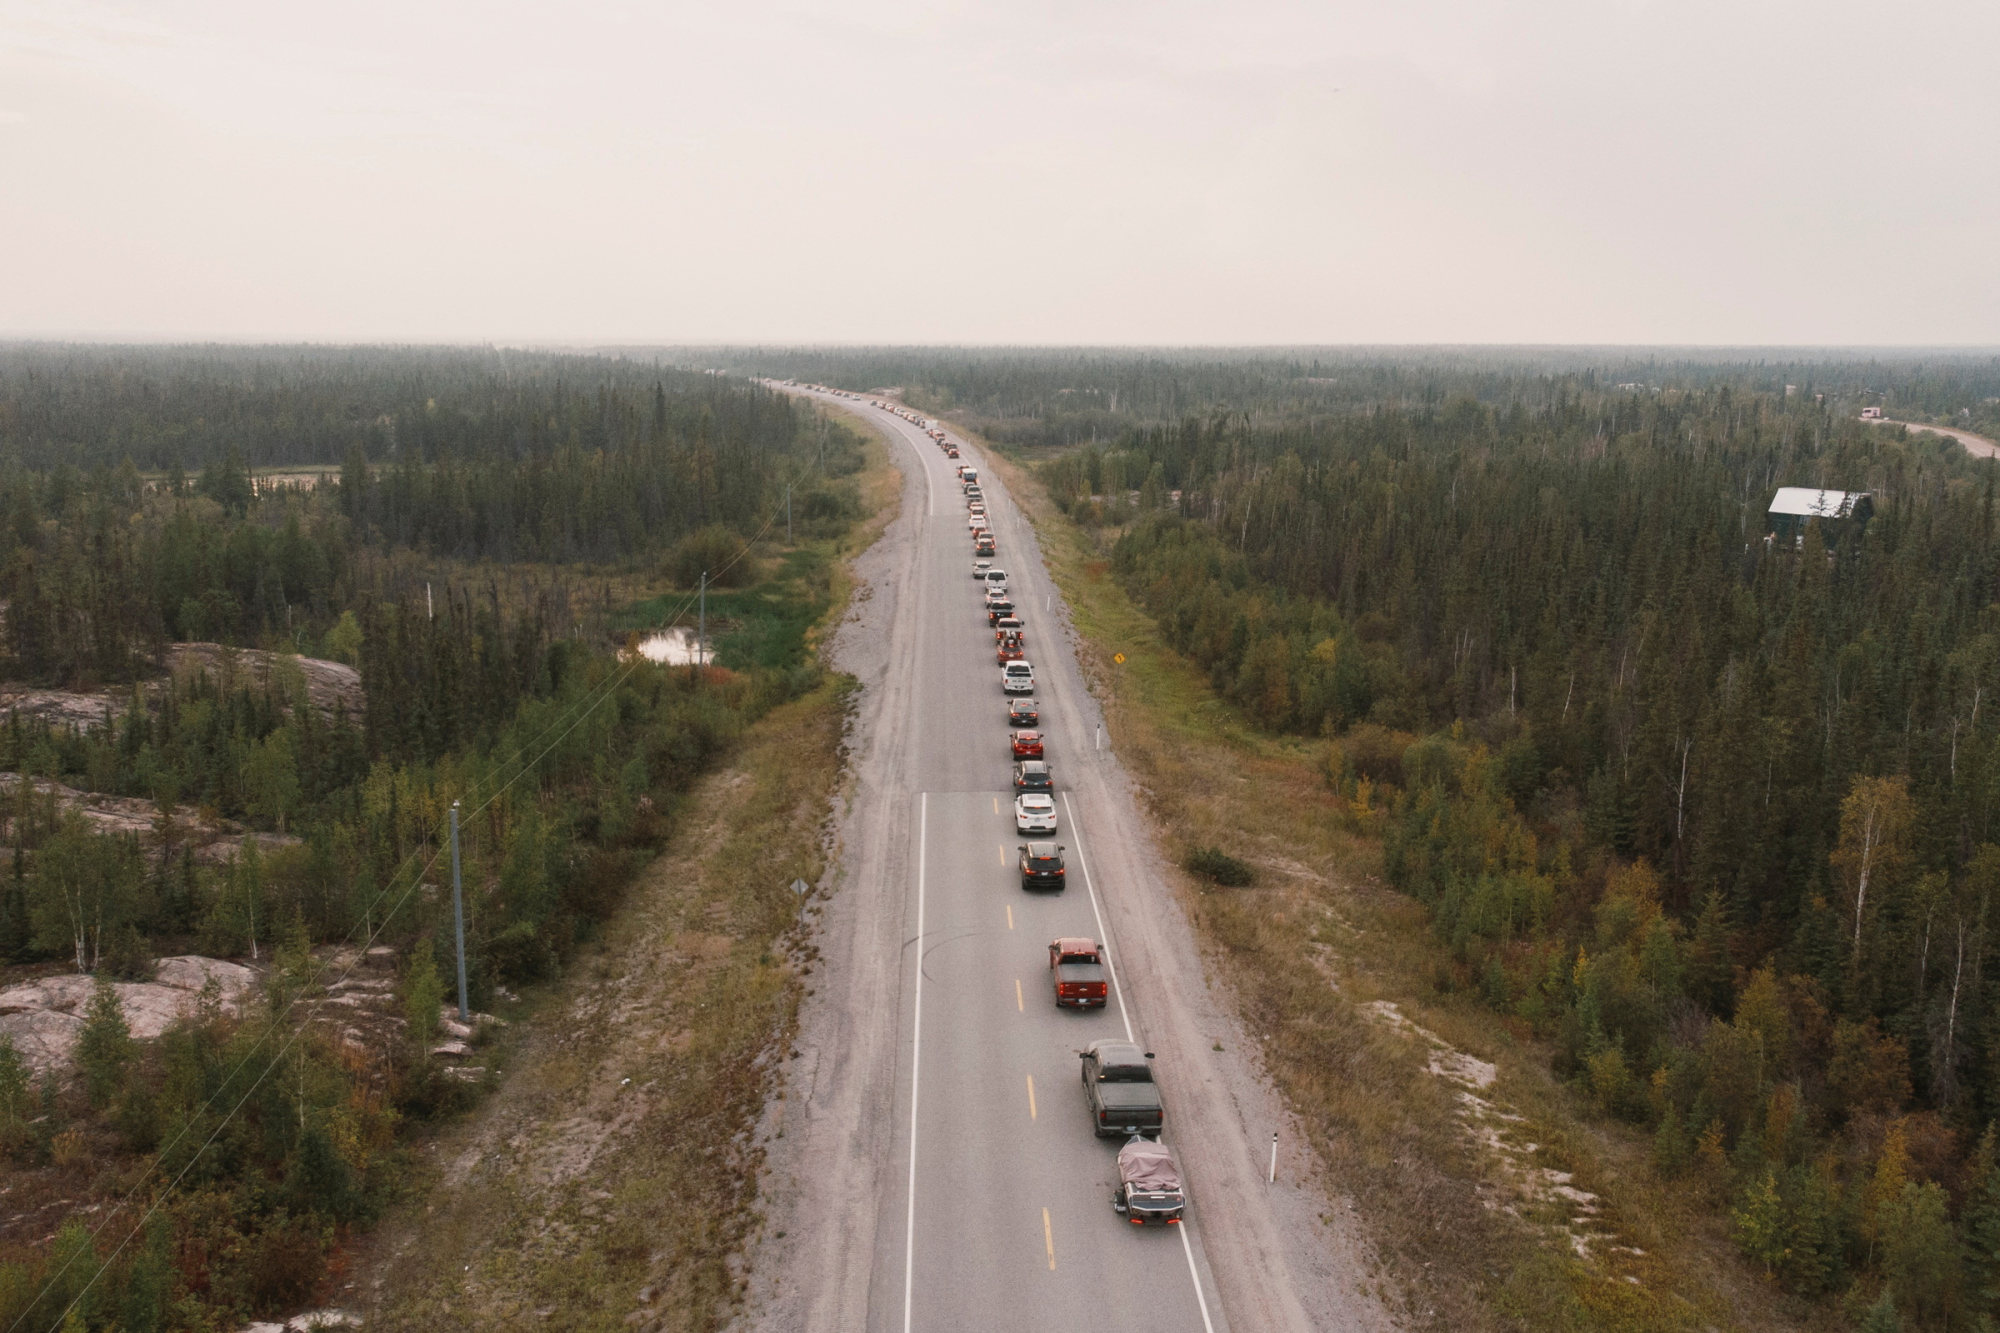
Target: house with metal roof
(1838, 511)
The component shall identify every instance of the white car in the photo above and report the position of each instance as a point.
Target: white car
(1034, 813)
(1017, 678)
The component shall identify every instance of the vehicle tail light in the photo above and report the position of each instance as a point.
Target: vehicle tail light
(1173, 1221)
(1136, 1221)
(1062, 872)
(1104, 1117)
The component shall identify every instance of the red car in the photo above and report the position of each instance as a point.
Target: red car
(1009, 650)
(984, 546)
(1025, 744)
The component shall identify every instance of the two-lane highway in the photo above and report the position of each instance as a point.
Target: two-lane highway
(1006, 1219)
(938, 1169)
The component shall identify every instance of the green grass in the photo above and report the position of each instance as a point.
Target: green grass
(768, 624)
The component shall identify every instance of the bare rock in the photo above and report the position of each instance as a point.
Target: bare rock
(45, 1017)
(328, 685)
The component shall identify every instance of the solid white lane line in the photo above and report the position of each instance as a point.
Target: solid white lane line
(916, 1055)
(1187, 1248)
(1090, 886)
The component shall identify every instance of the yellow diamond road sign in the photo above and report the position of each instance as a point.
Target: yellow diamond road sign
(1119, 658)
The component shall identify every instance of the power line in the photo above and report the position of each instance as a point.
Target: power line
(590, 704)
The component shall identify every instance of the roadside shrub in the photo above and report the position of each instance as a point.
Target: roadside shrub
(1215, 864)
(715, 549)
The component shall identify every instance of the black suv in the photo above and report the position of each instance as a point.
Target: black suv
(1033, 775)
(1042, 865)
(1022, 713)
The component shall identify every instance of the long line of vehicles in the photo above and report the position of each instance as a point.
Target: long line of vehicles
(1117, 1075)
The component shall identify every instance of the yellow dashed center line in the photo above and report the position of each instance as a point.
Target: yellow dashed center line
(996, 805)
(1031, 1096)
(1049, 1239)
(1021, 1003)
(1010, 916)
(1003, 853)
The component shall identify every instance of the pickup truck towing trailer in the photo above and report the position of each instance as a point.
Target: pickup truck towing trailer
(1118, 1082)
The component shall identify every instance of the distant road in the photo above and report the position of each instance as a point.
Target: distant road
(1976, 445)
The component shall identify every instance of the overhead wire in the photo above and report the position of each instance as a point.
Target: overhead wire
(583, 708)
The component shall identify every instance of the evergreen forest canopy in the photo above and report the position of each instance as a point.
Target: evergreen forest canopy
(1078, 395)
(468, 456)
(492, 684)
(1718, 816)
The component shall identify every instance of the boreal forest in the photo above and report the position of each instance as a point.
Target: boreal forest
(265, 616)
(1707, 801)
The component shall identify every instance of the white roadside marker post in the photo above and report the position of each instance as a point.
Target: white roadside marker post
(1274, 1159)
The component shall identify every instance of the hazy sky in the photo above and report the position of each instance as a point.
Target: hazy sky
(1737, 171)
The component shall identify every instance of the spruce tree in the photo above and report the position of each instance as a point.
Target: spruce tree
(104, 1048)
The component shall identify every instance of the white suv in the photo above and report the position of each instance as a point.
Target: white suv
(1017, 678)
(1034, 813)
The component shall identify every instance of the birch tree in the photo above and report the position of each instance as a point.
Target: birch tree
(1874, 846)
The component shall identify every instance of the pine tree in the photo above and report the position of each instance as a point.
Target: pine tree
(1920, 1253)
(423, 994)
(104, 1047)
(1980, 1225)
(1882, 1316)
(1759, 1222)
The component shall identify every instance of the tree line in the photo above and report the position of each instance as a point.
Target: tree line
(1716, 815)
(479, 689)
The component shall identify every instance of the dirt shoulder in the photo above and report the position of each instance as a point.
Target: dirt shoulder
(828, 1131)
(1433, 1133)
(613, 1172)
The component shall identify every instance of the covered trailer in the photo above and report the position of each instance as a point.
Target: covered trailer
(1149, 1184)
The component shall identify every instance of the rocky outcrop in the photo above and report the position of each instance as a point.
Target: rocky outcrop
(329, 686)
(213, 840)
(44, 1017)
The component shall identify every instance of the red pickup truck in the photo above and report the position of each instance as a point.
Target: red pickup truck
(1078, 968)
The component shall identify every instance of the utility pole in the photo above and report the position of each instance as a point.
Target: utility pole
(701, 633)
(458, 914)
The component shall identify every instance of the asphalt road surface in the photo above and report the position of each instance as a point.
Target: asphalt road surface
(940, 1171)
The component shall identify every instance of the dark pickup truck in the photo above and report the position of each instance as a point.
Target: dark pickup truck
(1078, 969)
(1118, 1080)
